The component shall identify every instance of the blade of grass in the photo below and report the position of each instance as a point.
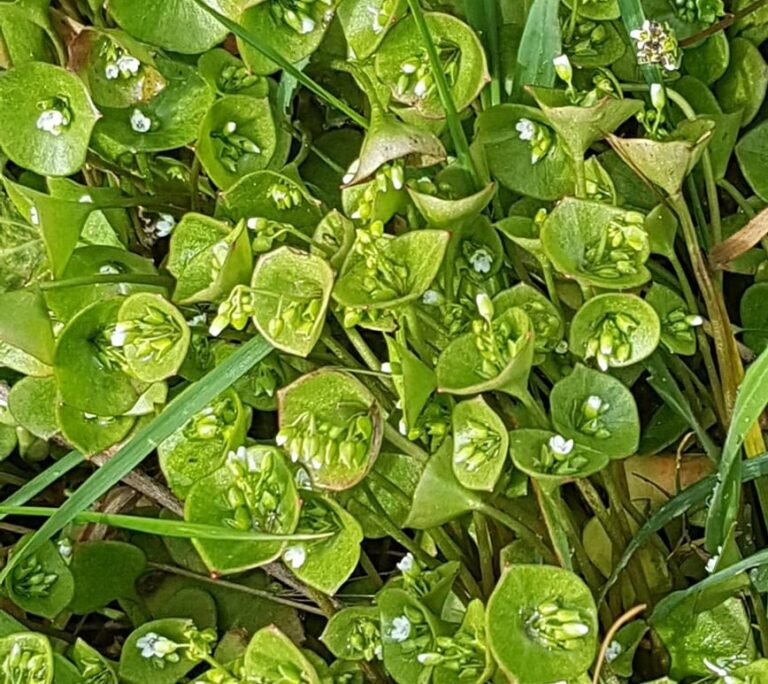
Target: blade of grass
(691, 496)
(192, 400)
(179, 529)
(43, 480)
(446, 99)
(284, 64)
(633, 16)
(540, 43)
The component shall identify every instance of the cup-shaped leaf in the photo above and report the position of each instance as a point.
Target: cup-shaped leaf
(32, 403)
(332, 425)
(442, 212)
(237, 137)
(477, 663)
(615, 330)
(389, 139)
(524, 154)
(253, 490)
(661, 225)
(26, 335)
(198, 448)
(169, 120)
(154, 336)
(413, 380)
(580, 127)
(89, 660)
(27, 647)
(208, 258)
(547, 321)
(754, 316)
(407, 630)
(137, 668)
(366, 22)
(742, 87)
(353, 633)
(333, 238)
(478, 251)
(463, 369)
(524, 232)
(678, 323)
(90, 433)
(293, 32)
(324, 564)
(118, 70)
(402, 63)
(42, 583)
(292, 290)
(228, 75)
(480, 444)
(666, 162)
(403, 271)
(431, 587)
(90, 371)
(377, 199)
(596, 410)
(548, 456)
(541, 624)
(271, 654)
(439, 497)
(597, 244)
(47, 118)
(175, 25)
(272, 196)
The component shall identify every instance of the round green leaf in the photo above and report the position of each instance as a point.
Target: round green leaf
(292, 290)
(596, 410)
(32, 403)
(709, 60)
(615, 329)
(402, 63)
(31, 648)
(226, 74)
(677, 332)
(752, 152)
(353, 634)
(253, 490)
(754, 316)
(47, 118)
(744, 83)
(526, 624)
(548, 456)
(91, 663)
(90, 433)
(331, 424)
(547, 321)
(366, 22)
(272, 656)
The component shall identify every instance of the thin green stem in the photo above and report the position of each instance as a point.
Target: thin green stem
(581, 176)
(482, 533)
(108, 278)
(405, 445)
(518, 528)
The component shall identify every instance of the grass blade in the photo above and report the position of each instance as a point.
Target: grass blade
(750, 403)
(633, 16)
(179, 529)
(43, 480)
(540, 44)
(178, 412)
(691, 496)
(284, 64)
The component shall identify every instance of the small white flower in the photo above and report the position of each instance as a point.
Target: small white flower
(230, 127)
(281, 439)
(164, 224)
(484, 306)
(34, 216)
(316, 464)
(386, 367)
(423, 658)
(64, 547)
(563, 68)
(402, 427)
(613, 651)
(128, 65)
(602, 362)
(561, 347)
(431, 298)
(111, 71)
(420, 89)
(406, 563)
(713, 561)
(561, 445)
(481, 261)
(240, 454)
(658, 96)
(307, 24)
(695, 321)
(401, 628)
(408, 68)
(302, 479)
(594, 402)
(118, 337)
(85, 199)
(140, 122)
(378, 651)
(295, 556)
(526, 129)
(153, 645)
(51, 121)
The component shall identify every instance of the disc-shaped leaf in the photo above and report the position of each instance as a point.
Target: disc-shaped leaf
(175, 25)
(169, 120)
(742, 87)
(325, 564)
(26, 336)
(547, 321)
(480, 444)
(754, 316)
(402, 63)
(366, 22)
(42, 583)
(547, 456)
(90, 372)
(90, 433)
(27, 647)
(443, 212)
(461, 369)
(228, 75)
(418, 255)
(525, 618)
(477, 664)
(597, 244)
(292, 291)
(256, 492)
(752, 152)
(237, 137)
(615, 329)
(90, 662)
(137, 668)
(271, 654)
(597, 410)
(208, 258)
(331, 424)
(353, 633)
(46, 118)
(510, 158)
(333, 238)
(32, 403)
(677, 333)
(198, 448)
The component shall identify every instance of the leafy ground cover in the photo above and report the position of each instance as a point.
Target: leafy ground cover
(406, 341)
